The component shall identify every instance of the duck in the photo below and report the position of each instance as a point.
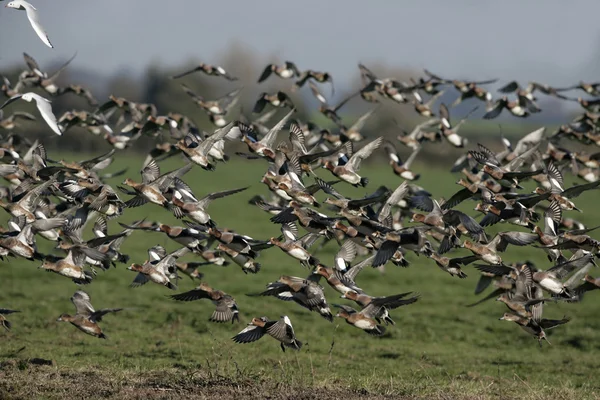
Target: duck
(196, 209)
(220, 106)
(353, 133)
(450, 265)
(207, 69)
(303, 292)
(86, 318)
(154, 185)
(327, 110)
(199, 153)
(226, 307)
(379, 306)
(22, 241)
(342, 281)
(10, 122)
(589, 283)
(247, 263)
(9, 90)
(293, 246)
(537, 329)
(344, 205)
(242, 244)
(450, 223)
(286, 71)
(559, 194)
(72, 265)
(513, 86)
(424, 108)
(523, 107)
(317, 76)
(160, 272)
(401, 169)
(348, 172)
(551, 280)
(280, 330)
(278, 99)
(450, 131)
(26, 205)
(364, 319)
(391, 242)
(265, 146)
(489, 252)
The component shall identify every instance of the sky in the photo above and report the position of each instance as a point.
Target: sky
(553, 41)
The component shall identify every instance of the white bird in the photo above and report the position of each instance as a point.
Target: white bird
(43, 106)
(33, 16)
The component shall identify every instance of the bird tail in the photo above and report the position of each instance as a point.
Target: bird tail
(6, 324)
(123, 258)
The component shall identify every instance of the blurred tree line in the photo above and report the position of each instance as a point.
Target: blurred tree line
(155, 86)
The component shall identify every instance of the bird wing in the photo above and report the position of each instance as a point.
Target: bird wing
(358, 125)
(33, 65)
(269, 139)
(62, 68)
(279, 330)
(363, 153)
(327, 188)
(250, 334)
(412, 157)
(345, 254)
(351, 274)
(150, 172)
(205, 201)
(97, 316)
(45, 108)
(181, 75)
(563, 269)
(315, 91)
(82, 302)
(266, 73)
(34, 19)
(495, 110)
(191, 295)
(11, 100)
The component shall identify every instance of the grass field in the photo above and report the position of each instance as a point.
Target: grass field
(162, 348)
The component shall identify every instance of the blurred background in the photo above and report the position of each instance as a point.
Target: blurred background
(130, 48)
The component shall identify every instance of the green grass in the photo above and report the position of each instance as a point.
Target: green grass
(438, 349)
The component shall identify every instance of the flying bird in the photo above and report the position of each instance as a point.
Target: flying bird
(43, 106)
(34, 19)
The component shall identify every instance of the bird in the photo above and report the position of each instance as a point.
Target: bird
(280, 330)
(86, 318)
(208, 70)
(348, 170)
(226, 307)
(33, 17)
(286, 71)
(43, 106)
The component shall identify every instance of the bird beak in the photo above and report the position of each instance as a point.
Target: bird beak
(59, 319)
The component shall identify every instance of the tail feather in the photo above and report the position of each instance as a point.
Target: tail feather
(123, 258)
